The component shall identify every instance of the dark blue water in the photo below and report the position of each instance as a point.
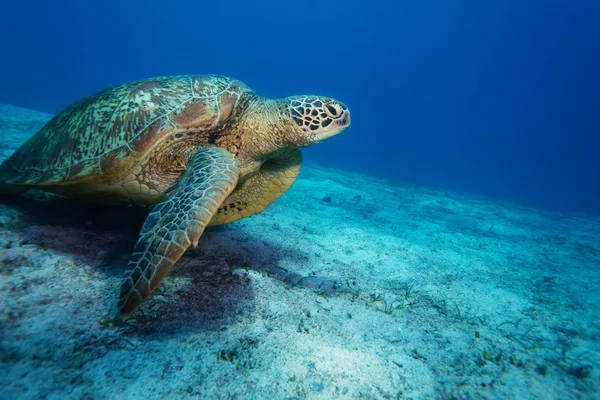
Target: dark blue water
(496, 98)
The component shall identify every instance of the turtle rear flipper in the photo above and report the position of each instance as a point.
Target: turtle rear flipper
(173, 225)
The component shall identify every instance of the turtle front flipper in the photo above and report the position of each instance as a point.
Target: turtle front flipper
(259, 191)
(177, 222)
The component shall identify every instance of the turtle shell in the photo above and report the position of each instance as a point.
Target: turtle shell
(100, 138)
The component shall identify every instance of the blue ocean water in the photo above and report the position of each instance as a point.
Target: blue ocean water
(492, 98)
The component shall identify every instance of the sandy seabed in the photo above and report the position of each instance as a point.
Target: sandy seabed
(349, 286)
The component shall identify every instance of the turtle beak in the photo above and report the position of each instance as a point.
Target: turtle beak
(346, 119)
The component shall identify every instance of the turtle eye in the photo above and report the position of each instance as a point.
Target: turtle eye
(333, 110)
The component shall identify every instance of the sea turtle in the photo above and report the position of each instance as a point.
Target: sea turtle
(204, 150)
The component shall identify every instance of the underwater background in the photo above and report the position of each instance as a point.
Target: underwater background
(497, 98)
(445, 246)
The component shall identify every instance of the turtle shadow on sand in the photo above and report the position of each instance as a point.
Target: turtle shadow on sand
(209, 289)
(214, 288)
(194, 300)
(98, 235)
(217, 290)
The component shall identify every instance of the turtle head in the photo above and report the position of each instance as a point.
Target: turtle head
(316, 118)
